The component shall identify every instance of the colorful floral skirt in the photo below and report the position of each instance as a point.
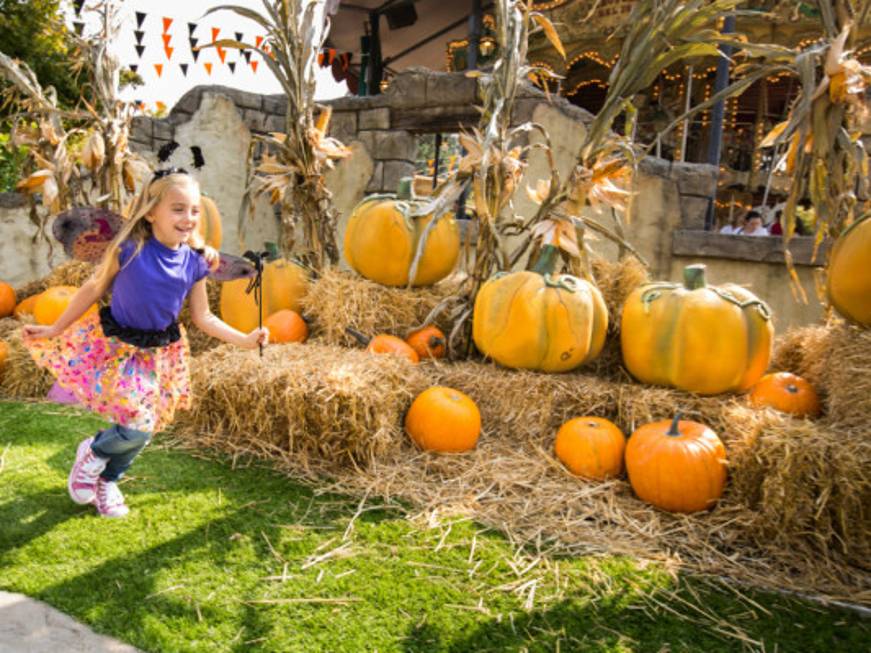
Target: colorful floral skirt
(140, 388)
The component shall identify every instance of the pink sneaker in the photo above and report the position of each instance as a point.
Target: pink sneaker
(82, 482)
(110, 501)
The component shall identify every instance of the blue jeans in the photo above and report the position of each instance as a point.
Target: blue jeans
(120, 445)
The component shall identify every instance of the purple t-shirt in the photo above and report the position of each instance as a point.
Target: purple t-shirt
(148, 292)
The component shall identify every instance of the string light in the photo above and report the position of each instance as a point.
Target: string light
(589, 82)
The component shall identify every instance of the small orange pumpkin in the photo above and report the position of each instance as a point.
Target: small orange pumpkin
(385, 344)
(591, 447)
(428, 342)
(443, 419)
(676, 465)
(7, 299)
(787, 393)
(286, 326)
(53, 302)
(24, 308)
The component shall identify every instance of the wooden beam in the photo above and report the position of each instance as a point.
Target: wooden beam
(757, 249)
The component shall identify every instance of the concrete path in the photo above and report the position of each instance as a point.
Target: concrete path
(30, 626)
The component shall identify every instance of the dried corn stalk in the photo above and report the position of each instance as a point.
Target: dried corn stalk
(292, 173)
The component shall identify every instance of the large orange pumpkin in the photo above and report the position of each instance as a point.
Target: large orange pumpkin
(591, 447)
(677, 465)
(428, 342)
(533, 320)
(209, 224)
(7, 299)
(787, 393)
(443, 419)
(284, 286)
(382, 236)
(286, 326)
(849, 273)
(24, 308)
(53, 301)
(696, 337)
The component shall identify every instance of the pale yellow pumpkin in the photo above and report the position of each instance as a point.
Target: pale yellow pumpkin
(696, 337)
(849, 273)
(284, 285)
(535, 321)
(382, 237)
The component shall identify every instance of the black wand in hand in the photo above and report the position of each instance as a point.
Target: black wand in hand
(256, 286)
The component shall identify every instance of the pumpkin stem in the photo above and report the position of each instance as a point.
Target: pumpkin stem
(546, 260)
(272, 248)
(673, 430)
(694, 276)
(359, 337)
(404, 189)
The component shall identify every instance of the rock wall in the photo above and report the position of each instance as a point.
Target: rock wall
(382, 132)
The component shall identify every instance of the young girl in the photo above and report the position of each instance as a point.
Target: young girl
(130, 362)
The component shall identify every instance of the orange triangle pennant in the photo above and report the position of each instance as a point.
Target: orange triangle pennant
(168, 51)
(222, 53)
(166, 39)
(166, 23)
(254, 65)
(258, 41)
(208, 67)
(215, 32)
(159, 68)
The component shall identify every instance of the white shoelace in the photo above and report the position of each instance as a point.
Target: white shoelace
(92, 467)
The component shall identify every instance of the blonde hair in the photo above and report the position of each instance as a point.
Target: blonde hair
(136, 227)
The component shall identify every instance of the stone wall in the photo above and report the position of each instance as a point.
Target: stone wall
(382, 132)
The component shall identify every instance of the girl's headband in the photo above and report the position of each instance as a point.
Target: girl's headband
(159, 174)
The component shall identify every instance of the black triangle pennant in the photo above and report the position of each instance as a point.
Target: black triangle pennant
(238, 36)
(140, 18)
(139, 50)
(133, 67)
(139, 35)
(193, 42)
(247, 55)
(79, 27)
(184, 69)
(78, 4)
(191, 28)
(196, 54)
(232, 66)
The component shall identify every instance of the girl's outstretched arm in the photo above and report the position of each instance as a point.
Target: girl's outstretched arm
(211, 325)
(90, 292)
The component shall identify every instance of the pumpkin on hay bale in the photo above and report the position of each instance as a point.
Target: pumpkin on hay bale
(341, 299)
(834, 358)
(314, 403)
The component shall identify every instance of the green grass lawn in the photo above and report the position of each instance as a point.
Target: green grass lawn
(217, 559)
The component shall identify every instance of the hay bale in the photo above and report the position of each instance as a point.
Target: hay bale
(845, 357)
(341, 299)
(793, 352)
(807, 484)
(532, 405)
(21, 378)
(298, 403)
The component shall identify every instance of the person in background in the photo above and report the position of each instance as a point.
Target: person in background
(738, 222)
(753, 225)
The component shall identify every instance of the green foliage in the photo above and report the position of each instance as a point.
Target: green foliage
(33, 32)
(11, 161)
(221, 559)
